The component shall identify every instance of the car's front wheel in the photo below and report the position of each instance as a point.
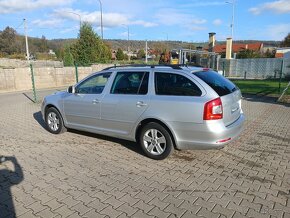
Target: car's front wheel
(54, 121)
(155, 141)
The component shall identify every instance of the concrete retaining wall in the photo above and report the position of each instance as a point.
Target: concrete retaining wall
(15, 63)
(19, 79)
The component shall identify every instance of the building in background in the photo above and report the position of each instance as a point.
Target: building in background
(282, 52)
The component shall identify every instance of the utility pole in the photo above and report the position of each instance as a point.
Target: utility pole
(28, 60)
(101, 10)
(128, 33)
(26, 40)
(189, 52)
(146, 52)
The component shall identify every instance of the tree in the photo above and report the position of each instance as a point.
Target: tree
(120, 54)
(89, 48)
(247, 53)
(8, 43)
(43, 47)
(286, 41)
(269, 54)
(68, 59)
(164, 58)
(141, 54)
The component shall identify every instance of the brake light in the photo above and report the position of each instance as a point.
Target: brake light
(213, 110)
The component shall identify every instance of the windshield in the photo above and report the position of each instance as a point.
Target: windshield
(217, 82)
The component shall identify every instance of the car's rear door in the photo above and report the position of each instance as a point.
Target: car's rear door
(177, 98)
(125, 102)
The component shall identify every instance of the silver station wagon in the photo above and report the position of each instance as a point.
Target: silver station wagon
(159, 107)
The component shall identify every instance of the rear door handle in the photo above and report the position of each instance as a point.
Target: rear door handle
(96, 101)
(140, 104)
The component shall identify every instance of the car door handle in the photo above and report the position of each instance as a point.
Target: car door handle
(140, 104)
(96, 101)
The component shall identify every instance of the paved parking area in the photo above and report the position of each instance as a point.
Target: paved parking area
(84, 175)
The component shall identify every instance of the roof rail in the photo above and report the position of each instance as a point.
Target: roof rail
(173, 66)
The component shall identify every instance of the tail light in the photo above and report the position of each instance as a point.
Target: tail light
(213, 110)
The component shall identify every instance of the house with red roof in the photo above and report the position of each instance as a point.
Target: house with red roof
(238, 47)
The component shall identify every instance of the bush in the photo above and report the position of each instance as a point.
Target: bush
(17, 56)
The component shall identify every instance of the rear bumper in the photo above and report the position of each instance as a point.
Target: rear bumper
(207, 135)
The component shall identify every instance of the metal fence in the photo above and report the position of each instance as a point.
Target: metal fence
(256, 68)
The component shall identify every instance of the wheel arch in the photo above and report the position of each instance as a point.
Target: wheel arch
(50, 106)
(154, 120)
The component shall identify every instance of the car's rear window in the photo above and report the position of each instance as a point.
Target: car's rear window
(217, 82)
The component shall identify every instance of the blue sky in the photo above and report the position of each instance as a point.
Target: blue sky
(189, 20)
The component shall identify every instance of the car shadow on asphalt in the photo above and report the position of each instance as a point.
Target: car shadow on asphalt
(9, 176)
(38, 117)
(133, 146)
(264, 99)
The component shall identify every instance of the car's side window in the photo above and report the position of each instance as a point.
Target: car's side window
(175, 84)
(93, 85)
(133, 83)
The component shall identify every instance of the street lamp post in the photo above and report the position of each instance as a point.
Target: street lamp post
(101, 9)
(233, 2)
(80, 18)
(166, 40)
(128, 49)
(26, 40)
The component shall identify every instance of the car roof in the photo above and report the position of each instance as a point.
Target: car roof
(164, 66)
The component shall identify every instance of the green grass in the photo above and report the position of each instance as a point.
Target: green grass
(261, 87)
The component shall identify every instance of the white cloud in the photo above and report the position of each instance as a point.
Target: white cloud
(278, 31)
(47, 23)
(72, 29)
(144, 23)
(280, 7)
(198, 21)
(204, 4)
(12, 6)
(197, 28)
(125, 34)
(172, 17)
(217, 22)
(109, 19)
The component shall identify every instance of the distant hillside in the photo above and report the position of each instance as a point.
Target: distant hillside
(136, 45)
(12, 44)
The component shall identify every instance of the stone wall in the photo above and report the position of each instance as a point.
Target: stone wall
(19, 79)
(16, 63)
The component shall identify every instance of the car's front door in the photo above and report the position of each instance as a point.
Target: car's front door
(82, 108)
(125, 103)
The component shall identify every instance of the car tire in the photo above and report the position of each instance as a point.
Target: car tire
(54, 121)
(155, 141)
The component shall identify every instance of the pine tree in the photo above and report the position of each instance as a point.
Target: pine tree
(120, 54)
(68, 59)
(89, 48)
(286, 41)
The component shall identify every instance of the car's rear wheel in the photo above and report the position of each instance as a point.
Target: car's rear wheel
(155, 141)
(54, 121)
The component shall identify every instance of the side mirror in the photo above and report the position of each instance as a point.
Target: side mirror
(71, 89)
